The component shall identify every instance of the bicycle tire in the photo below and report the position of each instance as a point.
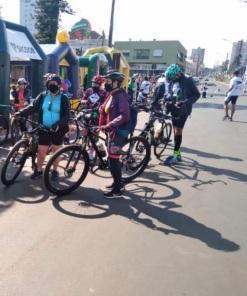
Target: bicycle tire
(8, 181)
(137, 171)
(163, 140)
(15, 131)
(82, 155)
(4, 129)
(72, 138)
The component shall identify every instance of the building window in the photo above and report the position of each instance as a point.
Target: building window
(126, 53)
(141, 54)
(158, 53)
(180, 56)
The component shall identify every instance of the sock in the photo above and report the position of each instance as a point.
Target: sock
(178, 142)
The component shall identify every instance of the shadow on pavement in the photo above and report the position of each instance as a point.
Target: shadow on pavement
(151, 211)
(25, 190)
(189, 165)
(209, 155)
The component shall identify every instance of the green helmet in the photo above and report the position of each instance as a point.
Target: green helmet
(172, 71)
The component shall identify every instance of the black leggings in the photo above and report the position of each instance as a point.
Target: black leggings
(115, 169)
(114, 147)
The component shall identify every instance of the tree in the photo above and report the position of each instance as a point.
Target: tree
(47, 15)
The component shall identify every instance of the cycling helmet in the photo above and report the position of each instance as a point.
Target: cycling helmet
(115, 76)
(22, 81)
(172, 71)
(53, 77)
(98, 79)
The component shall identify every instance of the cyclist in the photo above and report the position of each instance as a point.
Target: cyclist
(113, 113)
(132, 89)
(53, 109)
(21, 94)
(96, 94)
(184, 94)
(144, 90)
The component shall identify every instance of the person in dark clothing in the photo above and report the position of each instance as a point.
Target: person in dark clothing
(52, 108)
(159, 93)
(204, 91)
(184, 95)
(114, 113)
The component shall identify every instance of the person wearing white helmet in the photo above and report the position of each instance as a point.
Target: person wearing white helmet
(21, 94)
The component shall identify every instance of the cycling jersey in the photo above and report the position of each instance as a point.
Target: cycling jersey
(145, 87)
(51, 110)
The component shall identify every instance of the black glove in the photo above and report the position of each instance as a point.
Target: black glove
(180, 104)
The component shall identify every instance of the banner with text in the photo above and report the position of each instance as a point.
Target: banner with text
(20, 46)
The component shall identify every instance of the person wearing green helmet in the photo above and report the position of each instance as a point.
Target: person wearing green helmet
(184, 94)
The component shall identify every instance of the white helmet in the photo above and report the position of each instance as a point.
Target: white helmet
(22, 81)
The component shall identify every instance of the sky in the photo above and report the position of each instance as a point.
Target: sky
(195, 23)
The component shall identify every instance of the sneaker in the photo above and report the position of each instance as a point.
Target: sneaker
(36, 175)
(168, 159)
(113, 194)
(54, 175)
(171, 160)
(225, 117)
(112, 186)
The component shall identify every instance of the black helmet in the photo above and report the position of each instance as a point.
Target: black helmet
(53, 77)
(115, 76)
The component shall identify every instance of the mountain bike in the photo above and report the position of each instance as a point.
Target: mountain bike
(25, 148)
(74, 162)
(157, 131)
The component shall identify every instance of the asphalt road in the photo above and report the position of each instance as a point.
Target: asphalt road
(179, 231)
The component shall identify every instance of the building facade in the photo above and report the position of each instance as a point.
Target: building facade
(197, 55)
(238, 59)
(26, 14)
(152, 57)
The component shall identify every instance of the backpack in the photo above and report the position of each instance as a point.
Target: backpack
(128, 128)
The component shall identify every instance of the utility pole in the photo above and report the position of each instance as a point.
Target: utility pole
(111, 24)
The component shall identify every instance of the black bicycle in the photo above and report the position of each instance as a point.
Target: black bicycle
(73, 163)
(26, 147)
(157, 131)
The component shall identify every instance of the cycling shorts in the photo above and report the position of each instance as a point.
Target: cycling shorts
(179, 121)
(51, 138)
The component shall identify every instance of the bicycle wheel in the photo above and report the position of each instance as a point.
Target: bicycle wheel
(14, 162)
(15, 131)
(134, 158)
(73, 134)
(4, 129)
(72, 167)
(163, 139)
